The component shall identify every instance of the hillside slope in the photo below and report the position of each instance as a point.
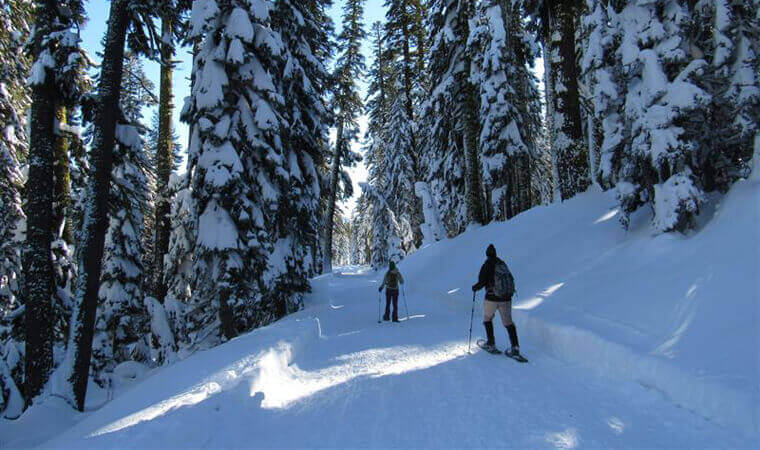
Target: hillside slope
(634, 340)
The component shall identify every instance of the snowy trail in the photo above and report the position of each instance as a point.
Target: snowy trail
(331, 376)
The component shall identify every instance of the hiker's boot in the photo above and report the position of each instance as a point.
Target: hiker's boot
(512, 331)
(490, 342)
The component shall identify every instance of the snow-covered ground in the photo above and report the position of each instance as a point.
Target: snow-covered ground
(634, 341)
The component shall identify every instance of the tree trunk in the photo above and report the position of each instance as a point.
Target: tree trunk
(37, 261)
(164, 163)
(95, 222)
(568, 144)
(62, 190)
(334, 175)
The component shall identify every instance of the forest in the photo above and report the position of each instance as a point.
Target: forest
(120, 243)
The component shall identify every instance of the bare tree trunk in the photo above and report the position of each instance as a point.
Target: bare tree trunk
(37, 261)
(164, 161)
(95, 220)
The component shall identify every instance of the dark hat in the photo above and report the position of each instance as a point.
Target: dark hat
(491, 251)
(392, 265)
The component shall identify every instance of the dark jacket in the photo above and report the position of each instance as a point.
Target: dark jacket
(485, 279)
(392, 282)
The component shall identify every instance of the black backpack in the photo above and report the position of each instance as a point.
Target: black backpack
(503, 281)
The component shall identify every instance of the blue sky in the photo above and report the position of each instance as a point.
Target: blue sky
(92, 35)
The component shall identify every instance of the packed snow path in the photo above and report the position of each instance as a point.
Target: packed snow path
(331, 376)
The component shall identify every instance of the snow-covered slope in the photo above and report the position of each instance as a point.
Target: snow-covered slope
(634, 340)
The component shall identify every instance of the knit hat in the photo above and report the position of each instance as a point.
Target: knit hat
(392, 265)
(491, 251)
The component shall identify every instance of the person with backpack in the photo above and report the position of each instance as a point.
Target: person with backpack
(390, 282)
(500, 286)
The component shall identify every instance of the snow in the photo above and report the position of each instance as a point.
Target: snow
(634, 340)
(239, 25)
(216, 229)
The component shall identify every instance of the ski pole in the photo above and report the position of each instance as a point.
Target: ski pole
(403, 289)
(472, 314)
(379, 293)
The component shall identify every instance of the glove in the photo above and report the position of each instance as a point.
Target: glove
(380, 290)
(474, 288)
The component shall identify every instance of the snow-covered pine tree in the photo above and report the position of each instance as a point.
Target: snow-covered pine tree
(149, 229)
(136, 18)
(178, 263)
(15, 25)
(509, 110)
(556, 20)
(342, 243)
(451, 125)
(361, 231)
(122, 324)
(380, 77)
(397, 179)
(386, 240)
(238, 168)
(380, 92)
(348, 106)
(165, 152)
(54, 45)
(405, 45)
(721, 32)
(295, 228)
(657, 168)
(604, 90)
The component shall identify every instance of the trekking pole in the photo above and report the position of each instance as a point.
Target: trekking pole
(403, 289)
(379, 294)
(472, 314)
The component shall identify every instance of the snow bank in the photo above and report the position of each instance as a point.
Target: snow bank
(676, 314)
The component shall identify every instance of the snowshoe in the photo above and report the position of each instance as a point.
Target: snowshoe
(482, 343)
(515, 354)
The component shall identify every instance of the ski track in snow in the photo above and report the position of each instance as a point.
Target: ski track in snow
(331, 376)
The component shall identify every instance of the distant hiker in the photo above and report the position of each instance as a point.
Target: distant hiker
(500, 286)
(390, 282)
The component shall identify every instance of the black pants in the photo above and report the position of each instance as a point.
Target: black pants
(391, 295)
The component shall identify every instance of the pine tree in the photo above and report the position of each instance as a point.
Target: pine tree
(361, 231)
(405, 46)
(603, 79)
(178, 264)
(453, 164)
(135, 17)
(165, 152)
(295, 228)
(380, 75)
(348, 106)
(53, 80)
(556, 20)
(122, 323)
(509, 111)
(386, 241)
(150, 228)
(15, 24)
(397, 178)
(721, 32)
(656, 167)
